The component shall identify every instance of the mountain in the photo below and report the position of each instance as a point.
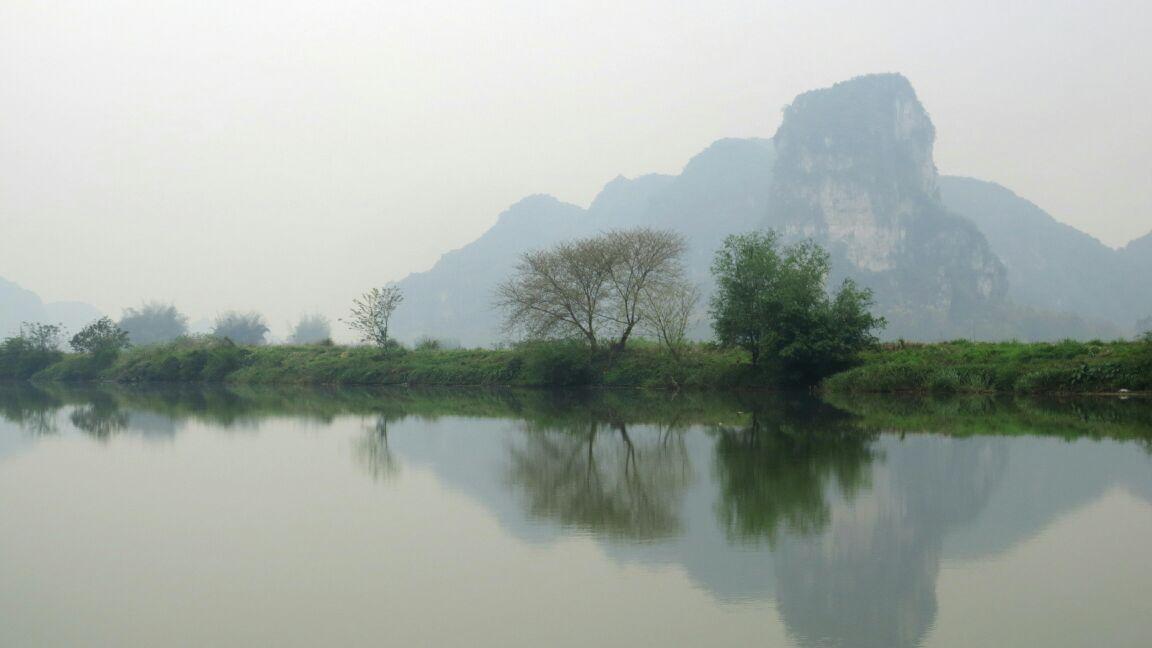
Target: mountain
(851, 167)
(855, 173)
(1136, 258)
(18, 305)
(1050, 265)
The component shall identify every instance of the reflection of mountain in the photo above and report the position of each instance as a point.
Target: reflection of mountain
(1043, 482)
(870, 580)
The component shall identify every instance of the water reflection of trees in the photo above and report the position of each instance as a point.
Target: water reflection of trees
(31, 409)
(372, 451)
(603, 476)
(100, 417)
(775, 472)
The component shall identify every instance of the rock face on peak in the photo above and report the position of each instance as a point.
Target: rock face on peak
(851, 167)
(854, 171)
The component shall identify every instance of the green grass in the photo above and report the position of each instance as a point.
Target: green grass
(555, 364)
(951, 367)
(1010, 367)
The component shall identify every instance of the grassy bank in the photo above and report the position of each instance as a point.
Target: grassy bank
(951, 367)
(1014, 367)
(532, 365)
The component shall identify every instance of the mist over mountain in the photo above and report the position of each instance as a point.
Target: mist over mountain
(850, 167)
(18, 304)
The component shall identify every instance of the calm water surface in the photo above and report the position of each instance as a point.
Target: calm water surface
(229, 517)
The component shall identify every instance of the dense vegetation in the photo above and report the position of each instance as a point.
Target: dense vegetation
(772, 302)
(962, 366)
(951, 367)
(555, 364)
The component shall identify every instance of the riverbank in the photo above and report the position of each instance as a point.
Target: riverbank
(950, 367)
(1067, 367)
(529, 365)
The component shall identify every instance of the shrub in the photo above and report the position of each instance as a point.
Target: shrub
(557, 364)
(101, 337)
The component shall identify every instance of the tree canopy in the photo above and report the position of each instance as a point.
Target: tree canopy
(99, 337)
(595, 289)
(771, 300)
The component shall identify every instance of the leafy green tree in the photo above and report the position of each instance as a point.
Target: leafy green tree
(153, 323)
(771, 301)
(100, 337)
(241, 328)
(36, 347)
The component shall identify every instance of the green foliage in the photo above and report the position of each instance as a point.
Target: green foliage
(428, 344)
(562, 364)
(153, 323)
(962, 366)
(101, 337)
(771, 301)
(185, 360)
(21, 356)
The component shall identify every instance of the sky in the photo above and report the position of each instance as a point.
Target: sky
(286, 156)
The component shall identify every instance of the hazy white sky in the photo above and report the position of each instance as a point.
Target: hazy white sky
(284, 156)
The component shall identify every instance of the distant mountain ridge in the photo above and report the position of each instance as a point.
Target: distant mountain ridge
(19, 305)
(851, 167)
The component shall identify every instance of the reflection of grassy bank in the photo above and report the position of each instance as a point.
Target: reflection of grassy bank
(796, 414)
(973, 367)
(1069, 418)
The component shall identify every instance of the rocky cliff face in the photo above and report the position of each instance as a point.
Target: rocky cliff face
(855, 172)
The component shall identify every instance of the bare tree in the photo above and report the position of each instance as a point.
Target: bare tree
(372, 312)
(640, 260)
(561, 292)
(590, 289)
(668, 310)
